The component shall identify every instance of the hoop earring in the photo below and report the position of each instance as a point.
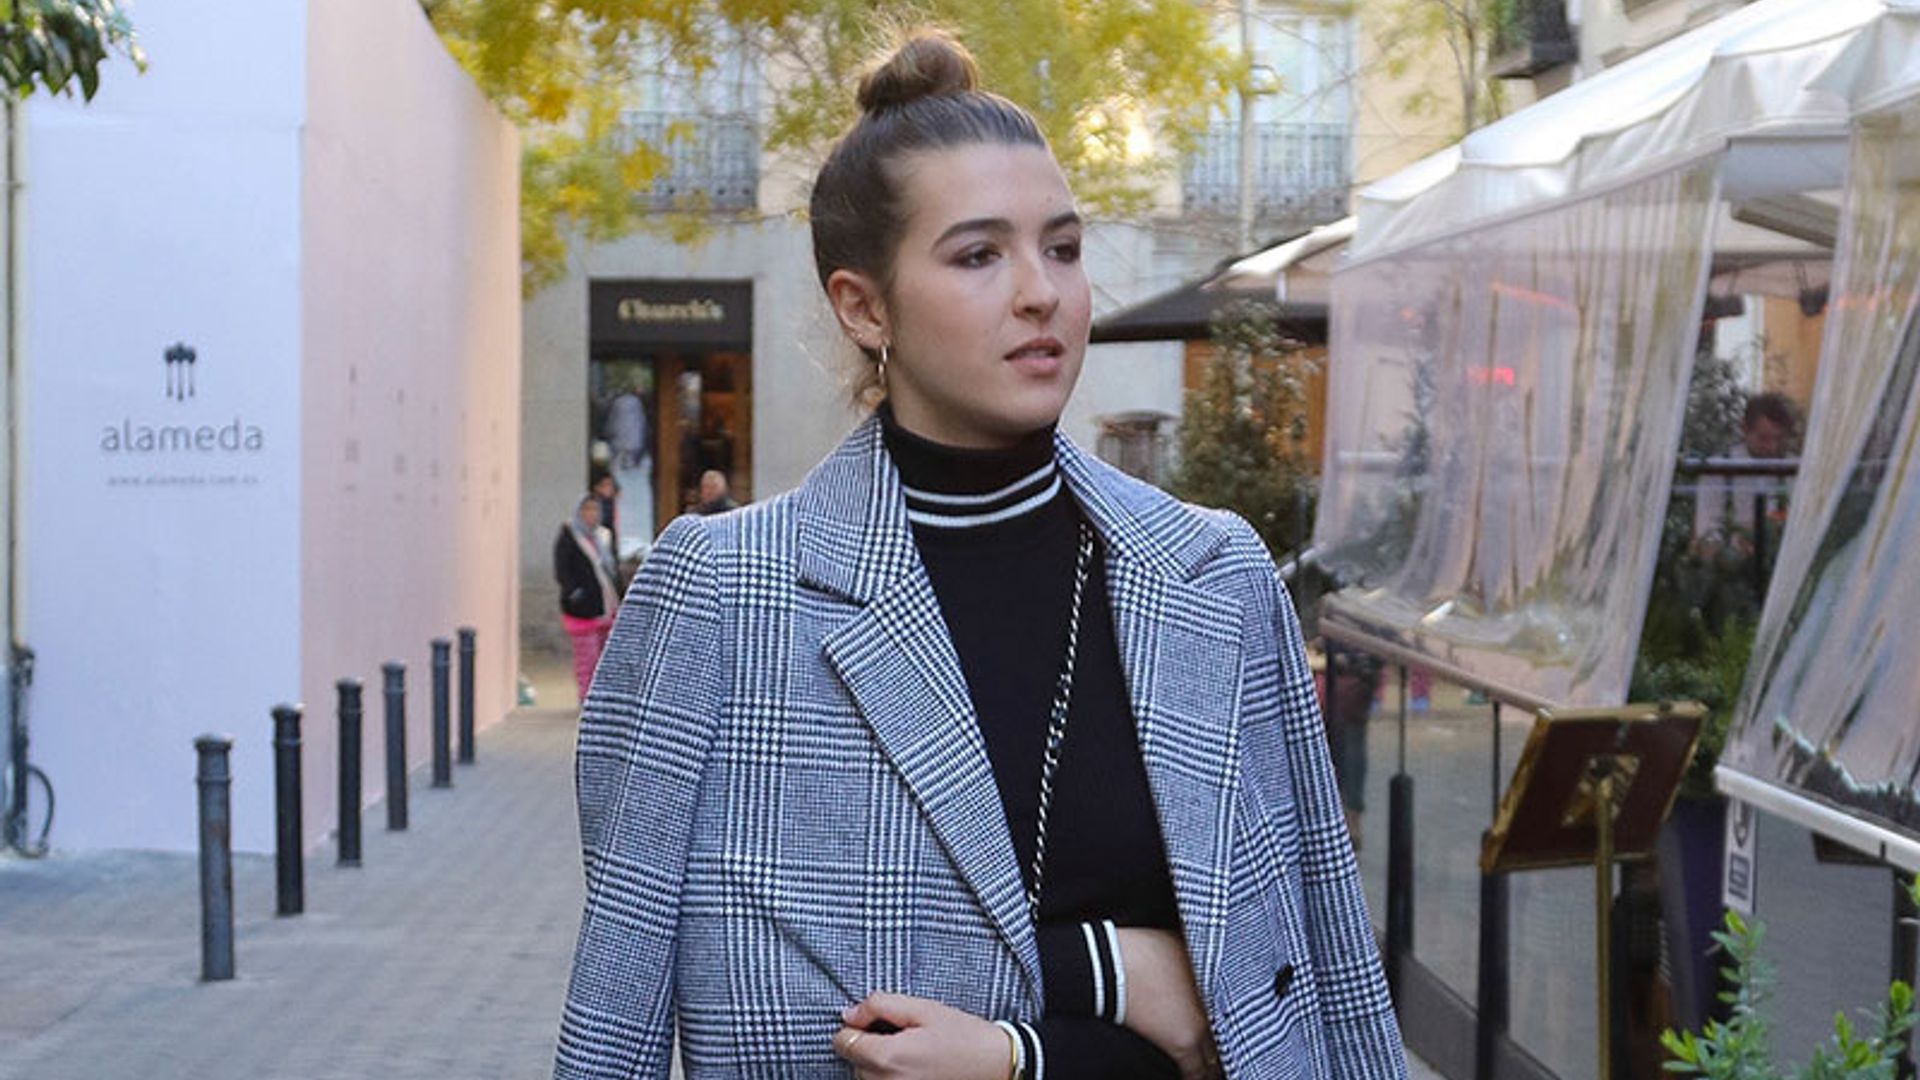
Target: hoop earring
(885, 354)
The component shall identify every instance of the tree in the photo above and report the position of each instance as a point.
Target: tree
(1097, 74)
(1244, 426)
(53, 43)
(1410, 34)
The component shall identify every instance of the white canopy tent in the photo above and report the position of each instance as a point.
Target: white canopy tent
(1514, 326)
(1774, 84)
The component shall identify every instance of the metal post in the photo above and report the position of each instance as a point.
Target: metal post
(442, 749)
(1906, 935)
(1603, 907)
(1490, 1021)
(215, 781)
(466, 695)
(1400, 859)
(1760, 568)
(395, 674)
(349, 832)
(290, 878)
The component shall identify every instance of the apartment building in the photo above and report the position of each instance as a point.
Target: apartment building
(656, 360)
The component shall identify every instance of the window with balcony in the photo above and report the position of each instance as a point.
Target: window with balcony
(704, 121)
(713, 161)
(1302, 145)
(1536, 38)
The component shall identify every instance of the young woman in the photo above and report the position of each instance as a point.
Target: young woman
(971, 758)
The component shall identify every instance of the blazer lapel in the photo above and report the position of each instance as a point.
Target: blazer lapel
(897, 660)
(1180, 650)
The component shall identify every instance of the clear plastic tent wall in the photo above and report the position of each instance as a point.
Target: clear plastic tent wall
(1828, 715)
(1505, 414)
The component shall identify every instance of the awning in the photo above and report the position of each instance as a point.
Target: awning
(1297, 269)
(1186, 313)
(1774, 83)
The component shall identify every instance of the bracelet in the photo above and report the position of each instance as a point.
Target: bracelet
(1013, 1049)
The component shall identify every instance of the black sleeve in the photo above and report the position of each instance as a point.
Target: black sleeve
(1079, 963)
(1082, 1048)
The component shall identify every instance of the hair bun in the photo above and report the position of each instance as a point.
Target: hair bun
(931, 63)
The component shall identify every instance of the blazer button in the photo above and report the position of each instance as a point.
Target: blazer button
(1282, 979)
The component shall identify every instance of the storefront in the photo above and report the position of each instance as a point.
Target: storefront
(669, 396)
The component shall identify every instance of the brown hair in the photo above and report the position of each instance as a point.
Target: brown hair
(925, 96)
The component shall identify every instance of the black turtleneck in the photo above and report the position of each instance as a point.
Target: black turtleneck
(999, 533)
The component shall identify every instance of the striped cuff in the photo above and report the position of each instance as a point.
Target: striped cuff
(1119, 971)
(1029, 1057)
(1109, 975)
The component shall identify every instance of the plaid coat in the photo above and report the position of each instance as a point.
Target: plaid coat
(786, 802)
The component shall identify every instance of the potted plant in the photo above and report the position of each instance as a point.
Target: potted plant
(1740, 1047)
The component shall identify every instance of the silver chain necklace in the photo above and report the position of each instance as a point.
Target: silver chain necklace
(1057, 723)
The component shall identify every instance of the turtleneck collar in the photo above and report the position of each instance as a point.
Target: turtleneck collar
(952, 487)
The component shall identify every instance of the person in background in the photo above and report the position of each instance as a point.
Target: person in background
(1724, 506)
(715, 498)
(971, 758)
(583, 564)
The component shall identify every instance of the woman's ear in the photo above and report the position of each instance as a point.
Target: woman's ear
(860, 306)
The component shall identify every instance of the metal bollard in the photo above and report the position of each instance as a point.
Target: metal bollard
(349, 832)
(395, 674)
(215, 780)
(466, 695)
(290, 879)
(442, 750)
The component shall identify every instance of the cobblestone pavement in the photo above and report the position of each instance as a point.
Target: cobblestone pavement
(443, 956)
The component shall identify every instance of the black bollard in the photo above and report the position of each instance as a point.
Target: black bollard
(215, 780)
(291, 886)
(396, 686)
(349, 832)
(442, 750)
(466, 695)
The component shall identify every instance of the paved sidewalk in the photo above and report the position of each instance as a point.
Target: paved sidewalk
(444, 956)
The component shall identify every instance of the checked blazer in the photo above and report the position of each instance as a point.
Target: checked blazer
(786, 802)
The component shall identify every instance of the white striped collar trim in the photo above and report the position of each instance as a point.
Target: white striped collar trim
(964, 521)
(945, 499)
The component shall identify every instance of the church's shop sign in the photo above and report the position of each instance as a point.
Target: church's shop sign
(628, 315)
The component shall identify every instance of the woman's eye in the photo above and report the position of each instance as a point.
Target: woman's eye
(1066, 251)
(979, 256)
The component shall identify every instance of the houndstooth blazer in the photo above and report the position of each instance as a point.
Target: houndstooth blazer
(786, 802)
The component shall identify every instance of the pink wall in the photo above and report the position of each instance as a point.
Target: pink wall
(410, 379)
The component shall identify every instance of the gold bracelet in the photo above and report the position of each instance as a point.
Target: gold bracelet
(1013, 1054)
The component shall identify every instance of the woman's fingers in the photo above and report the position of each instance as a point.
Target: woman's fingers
(896, 1035)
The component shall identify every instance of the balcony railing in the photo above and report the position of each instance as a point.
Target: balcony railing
(713, 161)
(1536, 40)
(1299, 171)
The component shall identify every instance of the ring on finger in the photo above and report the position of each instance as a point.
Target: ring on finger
(851, 1039)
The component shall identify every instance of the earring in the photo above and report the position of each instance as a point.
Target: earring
(885, 355)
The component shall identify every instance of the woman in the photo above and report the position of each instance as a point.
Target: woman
(970, 758)
(583, 564)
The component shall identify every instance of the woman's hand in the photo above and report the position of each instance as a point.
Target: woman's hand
(932, 1041)
(1163, 1004)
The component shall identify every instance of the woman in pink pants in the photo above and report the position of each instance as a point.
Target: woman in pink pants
(583, 564)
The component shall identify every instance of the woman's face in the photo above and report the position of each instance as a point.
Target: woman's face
(988, 310)
(590, 513)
